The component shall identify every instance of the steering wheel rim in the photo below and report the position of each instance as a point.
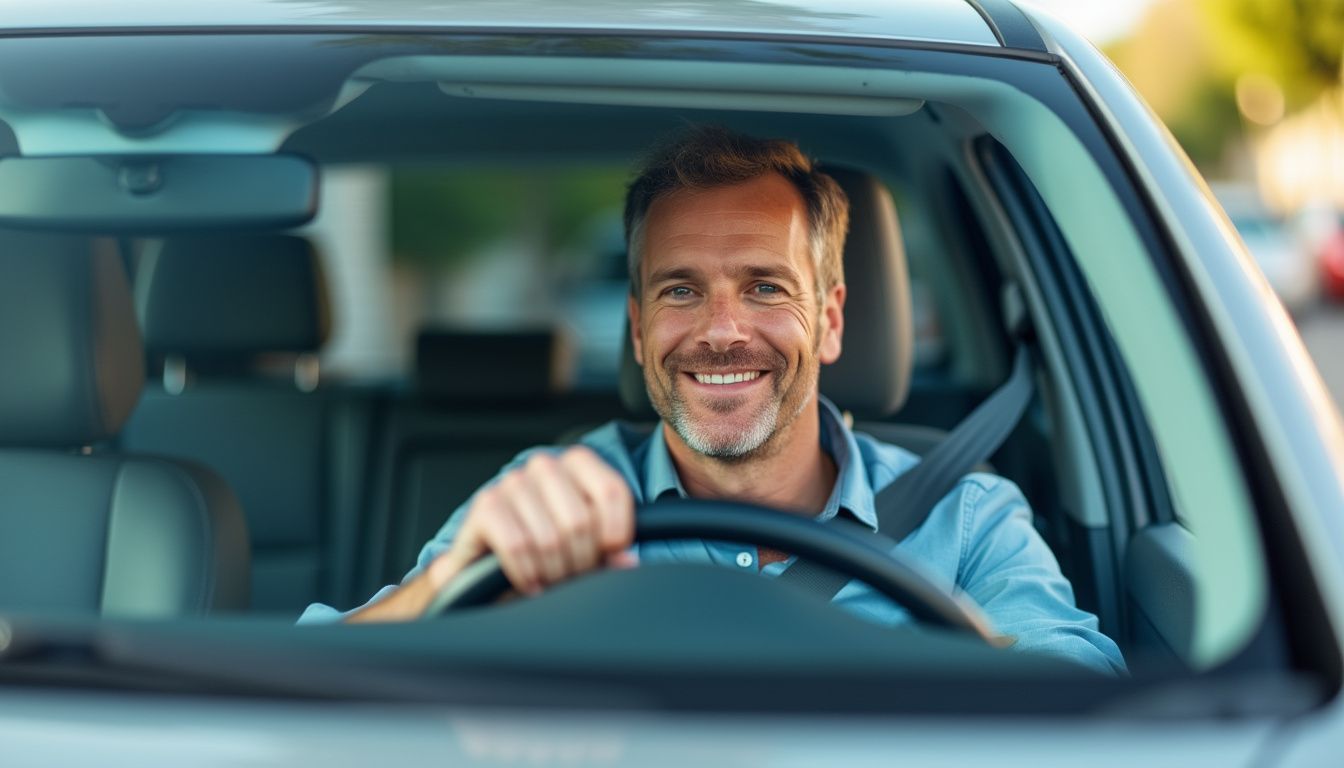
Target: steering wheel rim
(849, 549)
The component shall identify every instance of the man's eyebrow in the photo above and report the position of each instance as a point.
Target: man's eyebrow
(776, 272)
(781, 272)
(668, 274)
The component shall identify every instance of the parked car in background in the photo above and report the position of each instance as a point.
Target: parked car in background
(1330, 257)
(281, 283)
(1288, 263)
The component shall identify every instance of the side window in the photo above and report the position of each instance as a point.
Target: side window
(960, 353)
(1107, 391)
(931, 354)
(1165, 477)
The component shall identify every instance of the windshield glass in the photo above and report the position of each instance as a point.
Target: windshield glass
(343, 282)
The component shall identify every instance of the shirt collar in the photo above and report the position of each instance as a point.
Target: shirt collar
(852, 492)
(660, 474)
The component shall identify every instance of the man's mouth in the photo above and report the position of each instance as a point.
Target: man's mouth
(733, 377)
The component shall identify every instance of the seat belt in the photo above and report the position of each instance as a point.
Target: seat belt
(904, 504)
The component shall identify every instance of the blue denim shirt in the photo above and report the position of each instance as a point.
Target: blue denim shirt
(978, 540)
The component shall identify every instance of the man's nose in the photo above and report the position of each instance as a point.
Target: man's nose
(723, 325)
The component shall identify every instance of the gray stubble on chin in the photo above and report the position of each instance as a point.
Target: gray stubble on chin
(762, 428)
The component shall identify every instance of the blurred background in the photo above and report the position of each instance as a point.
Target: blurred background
(1254, 92)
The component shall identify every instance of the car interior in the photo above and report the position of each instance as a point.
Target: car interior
(336, 389)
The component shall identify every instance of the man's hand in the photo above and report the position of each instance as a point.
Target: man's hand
(552, 518)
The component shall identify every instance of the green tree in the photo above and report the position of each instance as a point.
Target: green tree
(441, 216)
(1299, 43)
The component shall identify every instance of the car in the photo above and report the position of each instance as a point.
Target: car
(1286, 261)
(1331, 260)
(284, 282)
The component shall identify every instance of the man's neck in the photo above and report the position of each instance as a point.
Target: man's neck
(797, 475)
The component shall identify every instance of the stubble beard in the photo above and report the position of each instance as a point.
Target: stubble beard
(771, 419)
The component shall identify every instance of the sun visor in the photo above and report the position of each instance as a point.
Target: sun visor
(673, 84)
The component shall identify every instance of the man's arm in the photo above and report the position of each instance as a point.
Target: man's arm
(548, 516)
(1008, 570)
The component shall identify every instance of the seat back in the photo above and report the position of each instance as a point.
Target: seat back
(83, 529)
(480, 398)
(232, 325)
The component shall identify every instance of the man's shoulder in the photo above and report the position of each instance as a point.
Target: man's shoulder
(619, 443)
(617, 435)
(886, 461)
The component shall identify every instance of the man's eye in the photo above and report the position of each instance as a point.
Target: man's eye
(767, 289)
(678, 292)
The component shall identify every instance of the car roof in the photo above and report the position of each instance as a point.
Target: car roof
(964, 22)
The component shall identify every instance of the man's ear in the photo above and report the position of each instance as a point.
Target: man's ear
(636, 340)
(832, 324)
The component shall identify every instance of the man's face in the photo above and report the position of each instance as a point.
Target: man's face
(727, 327)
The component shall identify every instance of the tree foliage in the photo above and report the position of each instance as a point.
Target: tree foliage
(443, 216)
(1299, 43)
(1186, 57)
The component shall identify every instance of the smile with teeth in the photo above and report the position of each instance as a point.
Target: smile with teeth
(726, 378)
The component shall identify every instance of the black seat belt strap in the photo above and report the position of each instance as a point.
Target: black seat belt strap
(904, 504)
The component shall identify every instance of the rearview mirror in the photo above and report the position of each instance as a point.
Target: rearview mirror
(156, 194)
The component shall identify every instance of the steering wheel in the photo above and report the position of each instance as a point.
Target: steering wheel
(855, 552)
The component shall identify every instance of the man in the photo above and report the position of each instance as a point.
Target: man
(736, 301)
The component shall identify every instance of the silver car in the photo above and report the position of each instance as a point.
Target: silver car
(283, 281)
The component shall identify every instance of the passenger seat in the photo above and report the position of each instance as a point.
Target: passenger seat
(232, 326)
(84, 529)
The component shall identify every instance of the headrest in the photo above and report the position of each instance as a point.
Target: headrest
(491, 365)
(872, 376)
(69, 346)
(230, 296)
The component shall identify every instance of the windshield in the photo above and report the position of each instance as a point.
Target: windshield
(341, 282)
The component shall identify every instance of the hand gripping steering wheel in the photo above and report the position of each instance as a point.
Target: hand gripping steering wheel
(848, 550)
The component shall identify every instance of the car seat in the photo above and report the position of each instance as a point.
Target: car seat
(83, 529)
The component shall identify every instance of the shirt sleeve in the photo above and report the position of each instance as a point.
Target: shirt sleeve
(606, 441)
(319, 613)
(1010, 572)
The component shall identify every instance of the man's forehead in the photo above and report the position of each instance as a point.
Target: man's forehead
(767, 208)
(725, 243)
(761, 221)
(722, 223)
(770, 191)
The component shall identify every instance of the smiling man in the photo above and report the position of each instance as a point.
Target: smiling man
(734, 308)
(737, 300)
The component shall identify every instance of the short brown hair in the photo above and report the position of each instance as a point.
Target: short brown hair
(711, 156)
